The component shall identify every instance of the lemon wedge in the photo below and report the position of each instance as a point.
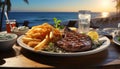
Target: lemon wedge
(73, 28)
(93, 35)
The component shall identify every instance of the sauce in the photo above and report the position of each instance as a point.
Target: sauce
(5, 36)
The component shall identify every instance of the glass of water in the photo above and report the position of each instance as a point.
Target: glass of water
(84, 17)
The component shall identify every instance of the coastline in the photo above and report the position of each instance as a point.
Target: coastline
(108, 22)
(42, 17)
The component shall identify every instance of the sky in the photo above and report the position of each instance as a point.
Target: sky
(63, 5)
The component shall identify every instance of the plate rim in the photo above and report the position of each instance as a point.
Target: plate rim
(104, 31)
(115, 40)
(99, 49)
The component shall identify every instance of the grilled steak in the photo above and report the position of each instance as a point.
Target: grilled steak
(73, 41)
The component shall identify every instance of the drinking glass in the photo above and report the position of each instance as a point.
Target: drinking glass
(84, 18)
(10, 24)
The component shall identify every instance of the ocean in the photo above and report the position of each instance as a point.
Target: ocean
(36, 18)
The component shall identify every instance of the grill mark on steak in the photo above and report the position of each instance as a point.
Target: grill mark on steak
(73, 41)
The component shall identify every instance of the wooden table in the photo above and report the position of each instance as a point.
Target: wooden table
(19, 57)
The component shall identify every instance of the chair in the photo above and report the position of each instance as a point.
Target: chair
(93, 24)
(71, 23)
(26, 23)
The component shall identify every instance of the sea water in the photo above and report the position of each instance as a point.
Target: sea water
(36, 18)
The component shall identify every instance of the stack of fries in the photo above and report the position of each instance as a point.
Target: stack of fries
(39, 36)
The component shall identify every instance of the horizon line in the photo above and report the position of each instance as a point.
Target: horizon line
(56, 11)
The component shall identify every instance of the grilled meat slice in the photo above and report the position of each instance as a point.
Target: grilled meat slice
(73, 41)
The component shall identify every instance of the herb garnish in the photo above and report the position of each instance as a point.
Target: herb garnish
(57, 23)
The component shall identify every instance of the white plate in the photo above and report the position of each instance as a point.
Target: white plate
(106, 31)
(100, 48)
(115, 40)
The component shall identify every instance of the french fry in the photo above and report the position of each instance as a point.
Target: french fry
(33, 43)
(42, 44)
(39, 36)
(51, 35)
(27, 39)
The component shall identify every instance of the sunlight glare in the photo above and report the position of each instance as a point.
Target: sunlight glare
(105, 14)
(106, 3)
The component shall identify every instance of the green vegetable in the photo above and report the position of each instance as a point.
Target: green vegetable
(51, 44)
(119, 38)
(97, 44)
(57, 23)
(52, 48)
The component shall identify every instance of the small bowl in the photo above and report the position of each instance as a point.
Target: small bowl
(7, 40)
(116, 33)
(21, 30)
(19, 33)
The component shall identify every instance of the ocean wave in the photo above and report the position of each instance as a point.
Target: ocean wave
(43, 19)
